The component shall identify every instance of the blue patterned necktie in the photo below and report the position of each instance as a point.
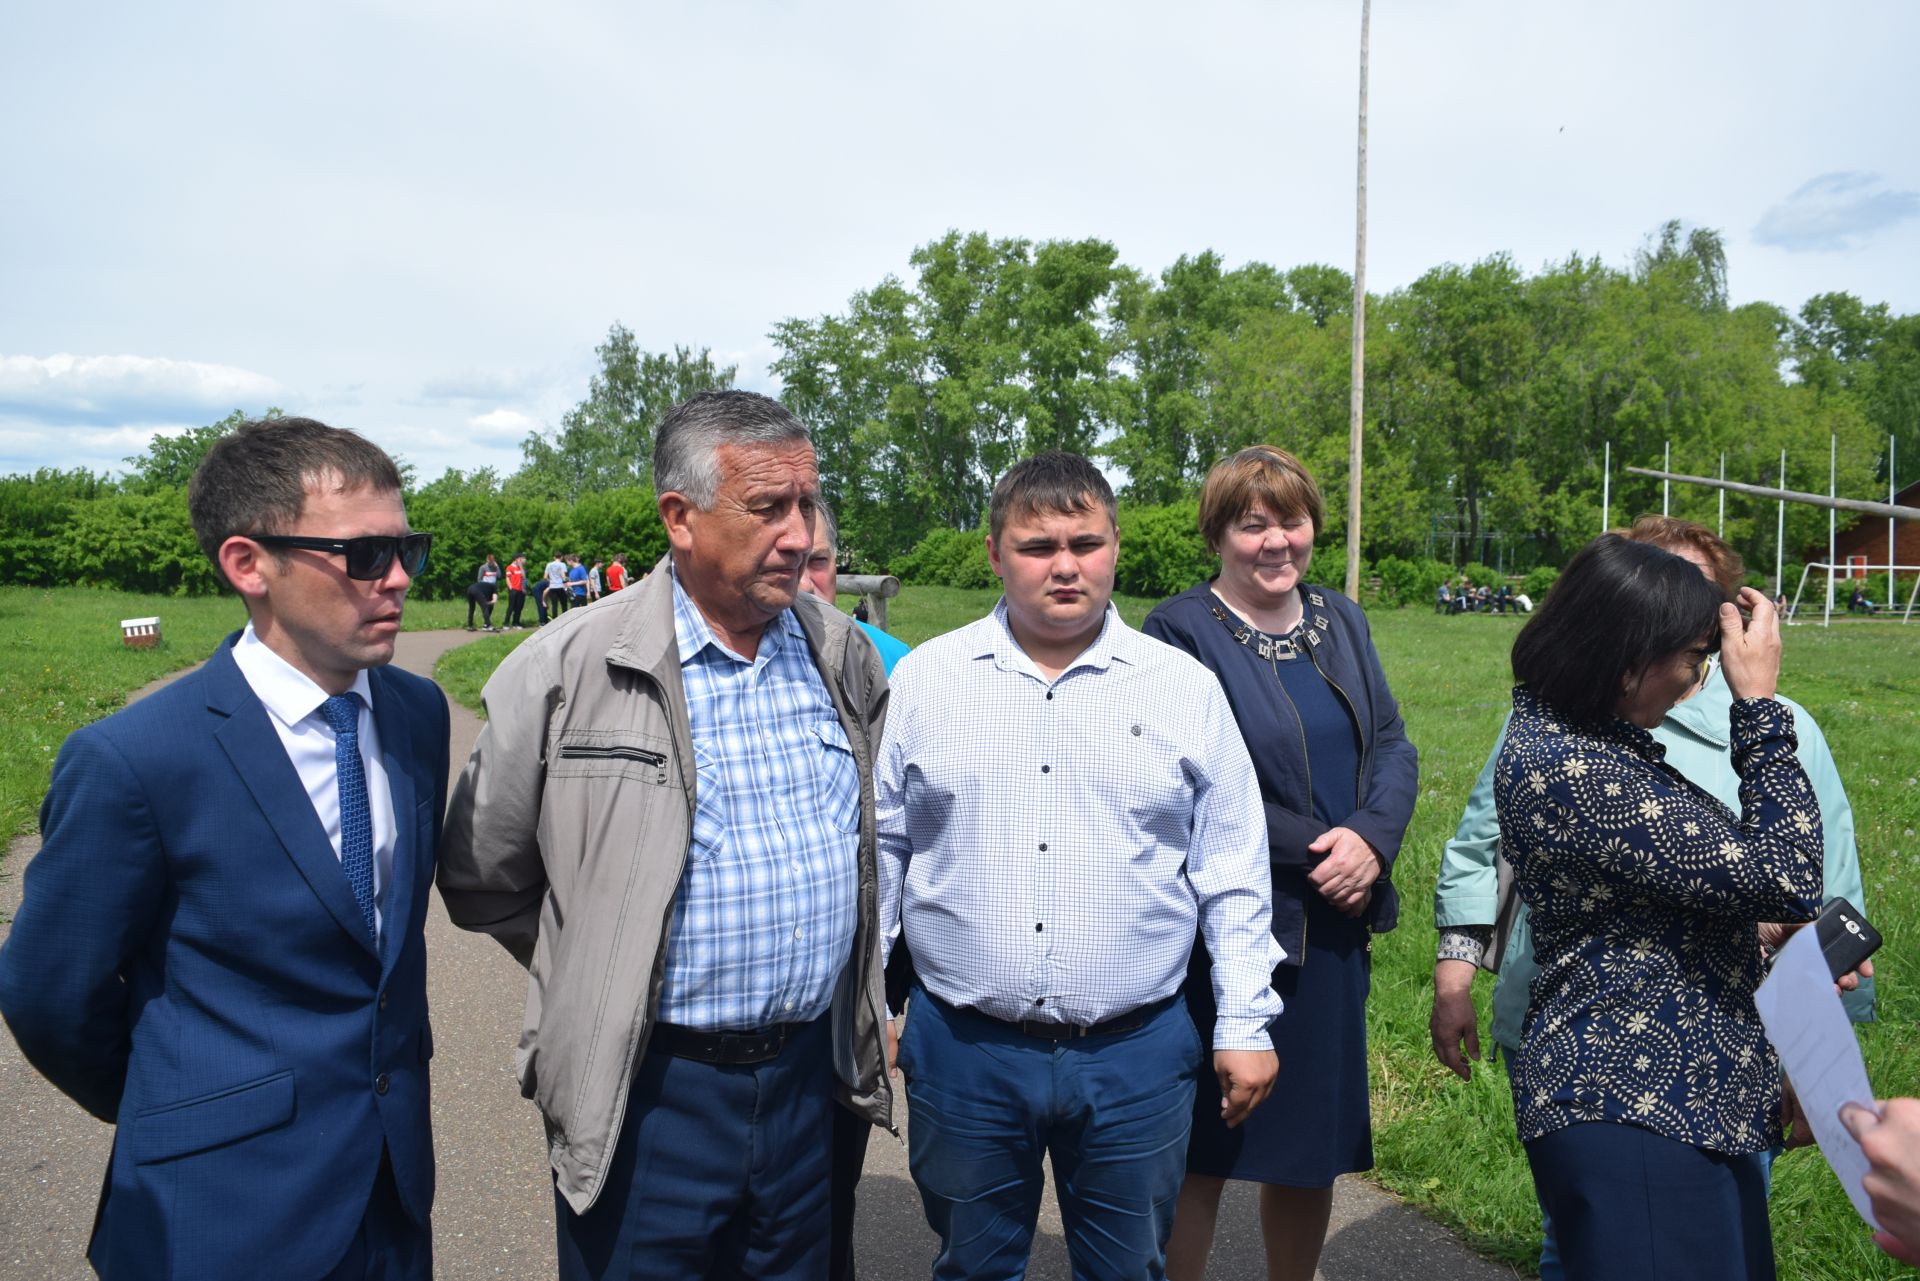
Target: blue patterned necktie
(356, 818)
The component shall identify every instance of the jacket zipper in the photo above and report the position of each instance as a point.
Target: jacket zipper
(1306, 758)
(1366, 754)
(583, 751)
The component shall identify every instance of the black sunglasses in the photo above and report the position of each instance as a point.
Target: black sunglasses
(368, 557)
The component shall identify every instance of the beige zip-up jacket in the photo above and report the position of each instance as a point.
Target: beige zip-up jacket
(566, 837)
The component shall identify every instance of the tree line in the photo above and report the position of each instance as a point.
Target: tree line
(1493, 394)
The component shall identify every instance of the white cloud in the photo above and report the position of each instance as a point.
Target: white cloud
(1835, 211)
(27, 446)
(112, 389)
(502, 424)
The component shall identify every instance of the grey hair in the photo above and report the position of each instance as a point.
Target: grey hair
(687, 446)
(823, 516)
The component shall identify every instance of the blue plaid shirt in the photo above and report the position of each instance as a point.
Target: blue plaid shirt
(764, 917)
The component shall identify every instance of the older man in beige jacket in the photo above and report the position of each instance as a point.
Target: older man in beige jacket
(669, 820)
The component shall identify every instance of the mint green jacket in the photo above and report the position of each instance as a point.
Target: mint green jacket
(1695, 736)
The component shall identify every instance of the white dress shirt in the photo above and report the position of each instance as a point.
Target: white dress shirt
(1049, 846)
(293, 705)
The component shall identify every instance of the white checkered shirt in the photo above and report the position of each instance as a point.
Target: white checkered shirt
(764, 917)
(1050, 846)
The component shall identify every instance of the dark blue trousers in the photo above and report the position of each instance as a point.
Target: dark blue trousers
(389, 1246)
(1630, 1204)
(988, 1103)
(720, 1172)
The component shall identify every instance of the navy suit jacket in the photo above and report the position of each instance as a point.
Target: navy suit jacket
(189, 963)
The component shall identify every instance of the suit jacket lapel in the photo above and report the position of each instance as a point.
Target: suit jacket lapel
(258, 757)
(396, 738)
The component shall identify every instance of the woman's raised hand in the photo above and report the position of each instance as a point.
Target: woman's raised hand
(1750, 647)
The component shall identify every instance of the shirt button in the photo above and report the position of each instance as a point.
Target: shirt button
(1037, 927)
(383, 995)
(1049, 696)
(1043, 850)
(799, 933)
(789, 1004)
(1040, 1000)
(380, 1084)
(1046, 769)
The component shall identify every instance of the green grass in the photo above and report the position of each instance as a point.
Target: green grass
(1444, 1144)
(62, 665)
(463, 672)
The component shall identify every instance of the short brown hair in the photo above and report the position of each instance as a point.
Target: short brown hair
(1265, 475)
(1054, 482)
(255, 479)
(1669, 533)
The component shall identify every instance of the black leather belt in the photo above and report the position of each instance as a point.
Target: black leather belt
(1131, 1021)
(760, 1045)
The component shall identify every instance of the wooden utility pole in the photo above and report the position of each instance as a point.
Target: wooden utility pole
(1357, 399)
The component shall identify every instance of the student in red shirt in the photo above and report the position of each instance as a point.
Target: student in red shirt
(516, 591)
(617, 573)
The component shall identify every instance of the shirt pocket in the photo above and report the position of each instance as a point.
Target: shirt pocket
(838, 777)
(709, 837)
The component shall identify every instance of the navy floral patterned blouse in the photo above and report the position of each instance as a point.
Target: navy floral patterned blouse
(1645, 893)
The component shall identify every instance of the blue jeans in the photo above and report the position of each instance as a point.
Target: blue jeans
(719, 1172)
(988, 1102)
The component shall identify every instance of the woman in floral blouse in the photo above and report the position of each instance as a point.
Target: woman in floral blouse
(1645, 1087)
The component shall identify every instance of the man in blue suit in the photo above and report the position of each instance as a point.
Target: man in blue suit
(220, 947)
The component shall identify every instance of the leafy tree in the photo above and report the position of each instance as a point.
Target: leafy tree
(606, 441)
(483, 482)
(170, 461)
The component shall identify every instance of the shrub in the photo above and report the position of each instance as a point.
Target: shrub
(1409, 582)
(1161, 551)
(134, 543)
(947, 558)
(1538, 580)
(1479, 574)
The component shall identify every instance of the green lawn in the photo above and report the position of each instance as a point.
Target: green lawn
(1442, 1143)
(62, 665)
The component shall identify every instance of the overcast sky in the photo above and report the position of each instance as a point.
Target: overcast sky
(417, 219)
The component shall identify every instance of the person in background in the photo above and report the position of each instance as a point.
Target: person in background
(1443, 599)
(823, 580)
(482, 593)
(577, 580)
(1338, 778)
(1063, 804)
(668, 818)
(1646, 1092)
(617, 572)
(593, 580)
(850, 1131)
(221, 947)
(516, 592)
(555, 589)
(1483, 924)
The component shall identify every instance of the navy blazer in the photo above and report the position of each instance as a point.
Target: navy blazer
(1341, 646)
(189, 963)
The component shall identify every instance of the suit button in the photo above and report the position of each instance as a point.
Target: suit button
(383, 1000)
(380, 1084)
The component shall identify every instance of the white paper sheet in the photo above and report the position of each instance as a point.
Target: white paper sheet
(1814, 1039)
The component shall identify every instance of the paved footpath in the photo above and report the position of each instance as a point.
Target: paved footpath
(493, 1215)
